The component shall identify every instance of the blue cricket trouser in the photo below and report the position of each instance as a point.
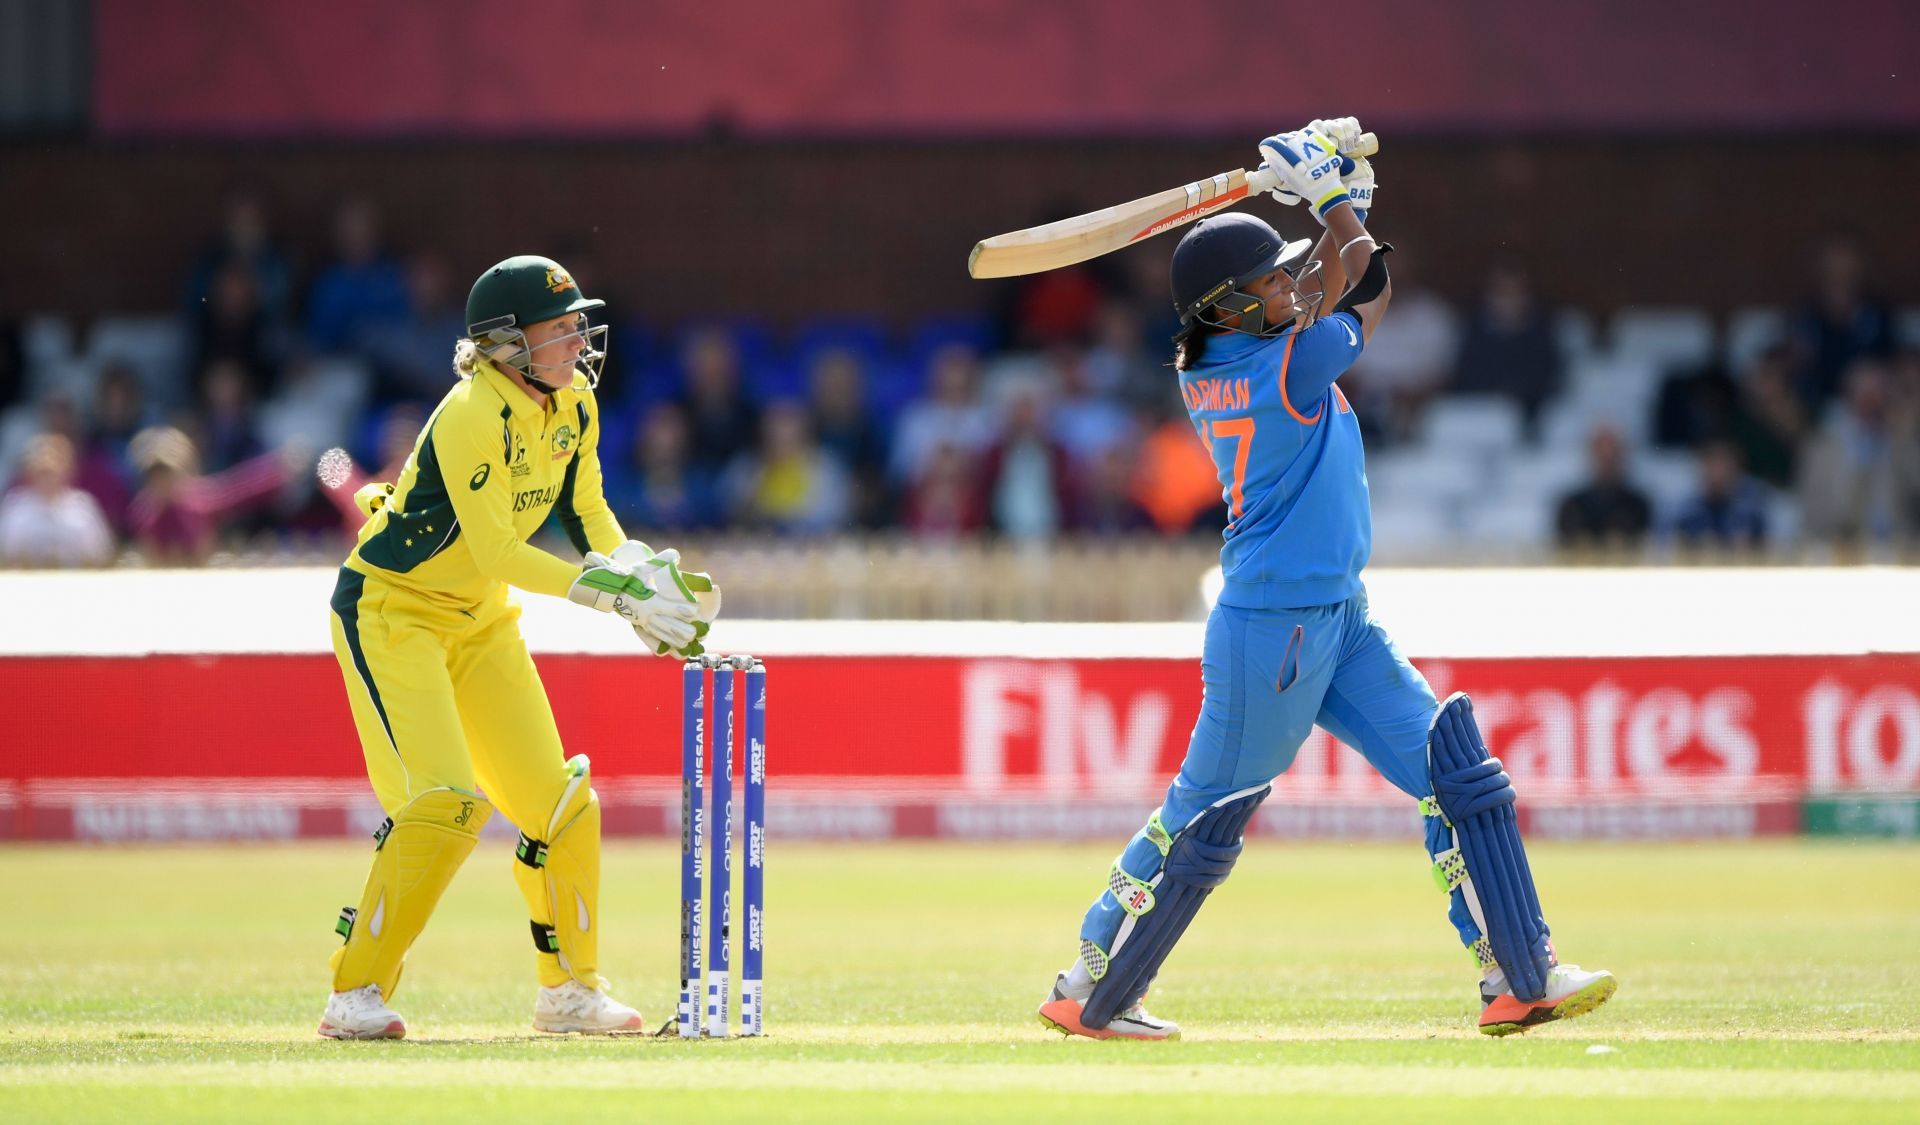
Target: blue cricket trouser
(1270, 675)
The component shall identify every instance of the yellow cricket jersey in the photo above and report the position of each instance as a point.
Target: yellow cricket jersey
(487, 470)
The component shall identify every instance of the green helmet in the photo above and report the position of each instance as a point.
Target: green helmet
(523, 290)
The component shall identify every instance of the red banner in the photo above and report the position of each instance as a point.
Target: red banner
(1597, 727)
(491, 68)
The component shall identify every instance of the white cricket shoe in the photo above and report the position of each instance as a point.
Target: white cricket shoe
(1571, 991)
(361, 1013)
(575, 1007)
(1062, 1011)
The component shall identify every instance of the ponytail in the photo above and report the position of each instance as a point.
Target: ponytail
(1188, 351)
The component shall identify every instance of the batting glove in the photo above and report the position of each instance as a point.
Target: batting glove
(1309, 165)
(1359, 182)
(1344, 132)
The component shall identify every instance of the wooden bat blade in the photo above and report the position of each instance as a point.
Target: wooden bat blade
(1062, 243)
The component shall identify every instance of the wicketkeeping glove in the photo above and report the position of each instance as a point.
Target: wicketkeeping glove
(1309, 166)
(662, 574)
(614, 587)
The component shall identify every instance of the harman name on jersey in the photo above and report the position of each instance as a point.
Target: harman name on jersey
(1286, 448)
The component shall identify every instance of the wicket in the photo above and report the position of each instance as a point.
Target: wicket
(694, 828)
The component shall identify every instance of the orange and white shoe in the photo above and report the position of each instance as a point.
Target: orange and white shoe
(1061, 1013)
(1571, 991)
(361, 1013)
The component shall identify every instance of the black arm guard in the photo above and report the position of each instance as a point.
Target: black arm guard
(1370, 283)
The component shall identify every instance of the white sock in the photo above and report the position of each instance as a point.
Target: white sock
(1079, 982)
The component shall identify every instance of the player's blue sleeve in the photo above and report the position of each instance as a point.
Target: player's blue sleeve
(1321, 354)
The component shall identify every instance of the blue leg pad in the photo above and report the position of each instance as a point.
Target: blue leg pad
(1487, 864)
(1198, 860)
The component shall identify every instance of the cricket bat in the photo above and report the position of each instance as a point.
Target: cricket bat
(1042, 248)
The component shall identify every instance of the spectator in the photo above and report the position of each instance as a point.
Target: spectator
(399, 432)
(244, 244)
(105, 466)
(660, 488)
(1119, 365)
(363, 291)
(722, 422)
(1085, 422)
(1026, 474)
(1860, 480)
(844, 425)
(1770, 424)
(47, 521)
(1841, 323)
(789, 485)
(229, 433)
(1509, 347)
(944, 500)
(951, 415)
(1104, 503)
(1730, 510)
(413, 357)
(177, 515)
(1407, 359)
(233, 325)
(1176, 482)
(1696, 405)
(1607, 510)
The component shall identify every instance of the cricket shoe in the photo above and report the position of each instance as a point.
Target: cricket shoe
(361, 1013)
(575, 1007)
(1061, 1013)
(1571, 991)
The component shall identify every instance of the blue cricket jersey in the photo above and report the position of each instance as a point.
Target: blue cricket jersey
(1286, 448)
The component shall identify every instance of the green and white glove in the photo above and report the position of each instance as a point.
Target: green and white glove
(662, 574)
(616, 587)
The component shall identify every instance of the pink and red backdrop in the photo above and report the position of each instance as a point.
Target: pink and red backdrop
(991, 67)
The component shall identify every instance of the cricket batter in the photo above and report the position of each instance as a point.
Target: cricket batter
(450, 710)
(1290, 642)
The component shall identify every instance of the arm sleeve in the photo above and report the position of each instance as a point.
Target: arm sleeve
(1321, 354)
(474, 468)
(582, 505)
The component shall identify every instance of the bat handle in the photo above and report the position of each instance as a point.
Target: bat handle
(1367, 145)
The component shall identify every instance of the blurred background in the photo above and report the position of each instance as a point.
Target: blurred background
(1643, 422)
(1657, 296)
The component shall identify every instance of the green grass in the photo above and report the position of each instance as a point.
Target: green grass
(1759, 982)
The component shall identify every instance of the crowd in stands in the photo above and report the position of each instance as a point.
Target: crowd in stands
(1505, 426)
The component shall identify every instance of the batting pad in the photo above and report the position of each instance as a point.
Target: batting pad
(1476, 798)
(562, 871)
(1199, 859)
(413, 861)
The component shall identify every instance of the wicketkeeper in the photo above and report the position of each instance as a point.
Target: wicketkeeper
(1291, 642)
(449, 707)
